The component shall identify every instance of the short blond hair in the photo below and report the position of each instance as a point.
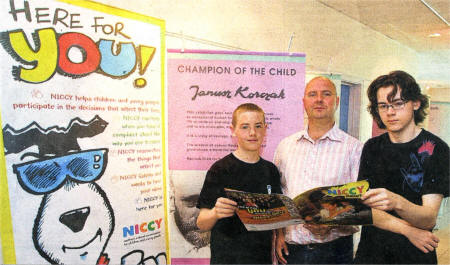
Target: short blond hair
(246, 107)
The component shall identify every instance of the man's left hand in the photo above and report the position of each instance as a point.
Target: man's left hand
(381, 199)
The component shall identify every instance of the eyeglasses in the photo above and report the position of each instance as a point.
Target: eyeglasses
(45, 176)
(397, 105)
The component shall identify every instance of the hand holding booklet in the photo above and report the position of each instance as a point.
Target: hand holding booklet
(332, 205)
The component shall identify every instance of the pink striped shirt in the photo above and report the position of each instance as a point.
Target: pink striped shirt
(304, 164)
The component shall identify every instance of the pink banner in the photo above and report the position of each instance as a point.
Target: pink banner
(204, 87)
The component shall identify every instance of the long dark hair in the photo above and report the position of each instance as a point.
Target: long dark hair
(410, 91)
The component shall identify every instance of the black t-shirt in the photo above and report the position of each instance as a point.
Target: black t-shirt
(411, 169)
(231, 243)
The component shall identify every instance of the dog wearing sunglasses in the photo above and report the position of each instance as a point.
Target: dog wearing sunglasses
(75, 219)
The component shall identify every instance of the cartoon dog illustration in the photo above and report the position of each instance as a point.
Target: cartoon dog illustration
(75, 219)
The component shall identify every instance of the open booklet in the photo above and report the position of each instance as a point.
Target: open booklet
(333, 205)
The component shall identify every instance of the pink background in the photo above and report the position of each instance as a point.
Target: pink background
(289, 109)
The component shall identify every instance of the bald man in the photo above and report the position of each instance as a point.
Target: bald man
(319, 155)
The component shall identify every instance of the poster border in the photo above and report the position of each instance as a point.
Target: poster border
(236, 55)
(6, 227)
(6, 230)
(202, 51)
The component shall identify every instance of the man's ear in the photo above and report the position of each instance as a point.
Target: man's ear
(232, 131)
(416, 104)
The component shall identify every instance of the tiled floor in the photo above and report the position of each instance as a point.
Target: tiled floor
(443, 232)
(443, 250)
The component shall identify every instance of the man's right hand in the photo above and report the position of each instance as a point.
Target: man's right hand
(280, 246)
(207, 218)
(225, 208)
(424, 240)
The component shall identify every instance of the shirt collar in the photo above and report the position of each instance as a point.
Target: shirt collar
(334, 134)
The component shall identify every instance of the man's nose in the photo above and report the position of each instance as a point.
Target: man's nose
(319, 97)
(390, 109)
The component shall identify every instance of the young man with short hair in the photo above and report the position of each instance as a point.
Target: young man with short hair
(408, 172)
(245, 170)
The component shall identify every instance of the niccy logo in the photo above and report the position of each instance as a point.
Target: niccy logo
(142, 228)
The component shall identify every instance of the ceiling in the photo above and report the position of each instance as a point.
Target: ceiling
(409, 22)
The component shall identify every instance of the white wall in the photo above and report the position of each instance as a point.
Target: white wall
(333, 43)
(434, 69)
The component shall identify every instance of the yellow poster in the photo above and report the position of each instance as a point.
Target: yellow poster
(82, 157)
